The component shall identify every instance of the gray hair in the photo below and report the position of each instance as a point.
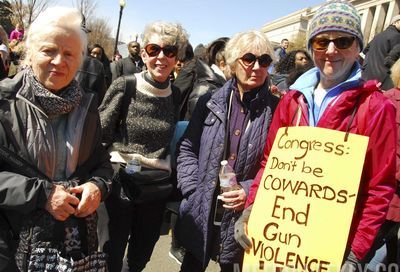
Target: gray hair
(69, 19)
(245, 42)
(170, 33)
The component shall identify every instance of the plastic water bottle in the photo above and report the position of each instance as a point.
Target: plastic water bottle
(227, 178)
(133, 166)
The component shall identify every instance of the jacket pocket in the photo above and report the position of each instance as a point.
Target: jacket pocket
(186, 204)
(210, 120)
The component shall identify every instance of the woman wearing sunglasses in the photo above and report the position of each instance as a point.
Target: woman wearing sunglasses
(230, 124)
(150, 122)
(333, 96)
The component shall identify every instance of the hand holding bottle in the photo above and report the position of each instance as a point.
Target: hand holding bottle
(232, 194)
(234, 200)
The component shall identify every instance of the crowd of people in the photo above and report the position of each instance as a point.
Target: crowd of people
(72, 122)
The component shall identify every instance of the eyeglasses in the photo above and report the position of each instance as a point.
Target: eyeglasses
(249, 59)
(322, 43)
(154, 49)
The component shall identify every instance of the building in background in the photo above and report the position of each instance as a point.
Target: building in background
(375, 17)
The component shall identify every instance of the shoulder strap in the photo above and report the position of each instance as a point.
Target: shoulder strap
(129, 92)
(130, 89)
(19, 164)
(176, 98)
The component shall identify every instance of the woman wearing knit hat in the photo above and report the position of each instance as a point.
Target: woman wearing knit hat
(333, 96)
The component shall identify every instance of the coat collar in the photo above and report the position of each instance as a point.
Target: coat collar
(219, 100)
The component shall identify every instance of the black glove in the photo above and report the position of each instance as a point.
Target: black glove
(351, 264)
(241, 229)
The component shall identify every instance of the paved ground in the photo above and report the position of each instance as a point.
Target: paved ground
(161, 262)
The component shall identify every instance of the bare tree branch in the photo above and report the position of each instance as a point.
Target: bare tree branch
(26, 11)
(100, 33)
(86, 7)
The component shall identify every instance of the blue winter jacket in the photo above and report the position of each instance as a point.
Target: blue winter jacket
(198, 162)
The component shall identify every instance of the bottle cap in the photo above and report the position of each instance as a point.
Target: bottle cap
(224, 162)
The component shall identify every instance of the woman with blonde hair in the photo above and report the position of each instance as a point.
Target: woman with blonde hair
(229, 124)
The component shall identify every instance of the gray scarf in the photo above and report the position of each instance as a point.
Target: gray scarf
(56, 104)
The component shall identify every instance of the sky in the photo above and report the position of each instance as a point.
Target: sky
(204, 20)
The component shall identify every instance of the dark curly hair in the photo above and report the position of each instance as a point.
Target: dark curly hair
(287, 64)
(104, 59)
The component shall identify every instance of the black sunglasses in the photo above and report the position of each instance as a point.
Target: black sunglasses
(249, 59)
(322, 43)
(154, 49)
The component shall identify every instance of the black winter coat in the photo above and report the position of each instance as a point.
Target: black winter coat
(379, 55)
(91, 77)
(195, 79)
(19, 194)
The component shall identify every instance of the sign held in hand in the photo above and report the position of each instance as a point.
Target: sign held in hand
(302, 214)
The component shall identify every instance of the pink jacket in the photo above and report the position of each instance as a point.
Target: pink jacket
(16, 35)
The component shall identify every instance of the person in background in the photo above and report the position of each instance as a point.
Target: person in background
(200, 52)
(196, 79)
(176, 251)
(91, 77)
(292, 65)
(280, 52)
(389, 253)
(17, 33)
(97, 52)
(187, 55)
(327, 96)
(4, 49)
(117, 56)
(131, 64)
(55, 126)
(216, 57)
(150, 125)
(232, 121)
(17, 49)
(3, 73)
(379, 54)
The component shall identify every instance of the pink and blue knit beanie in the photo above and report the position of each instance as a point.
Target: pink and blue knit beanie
(336, 15)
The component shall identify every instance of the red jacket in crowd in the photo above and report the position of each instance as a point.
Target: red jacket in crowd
(374, 118)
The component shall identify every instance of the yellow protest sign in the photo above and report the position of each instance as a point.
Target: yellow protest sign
(302, 214)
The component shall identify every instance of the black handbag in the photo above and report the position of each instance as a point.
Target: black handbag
(41, 237)
(146, 186)
(42, 247)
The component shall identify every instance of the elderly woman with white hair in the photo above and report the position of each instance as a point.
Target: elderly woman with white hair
(148, 127)
(54, 127)
(230, 124)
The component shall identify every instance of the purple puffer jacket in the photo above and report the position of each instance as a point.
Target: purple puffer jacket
(198, 162)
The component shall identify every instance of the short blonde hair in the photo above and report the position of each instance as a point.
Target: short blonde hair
(244, 42)
(68, 19)
(170, 33)
(395, 73)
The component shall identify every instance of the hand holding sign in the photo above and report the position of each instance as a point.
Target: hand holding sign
(308, 189)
